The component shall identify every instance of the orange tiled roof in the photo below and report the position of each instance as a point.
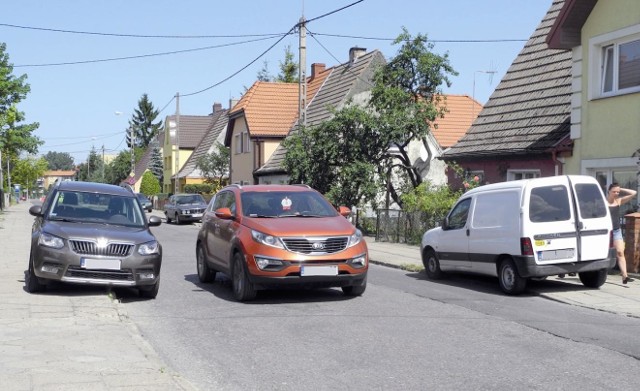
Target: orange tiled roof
(462, 110)
(269, 108)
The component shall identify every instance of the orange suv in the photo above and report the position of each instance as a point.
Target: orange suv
(268, 236)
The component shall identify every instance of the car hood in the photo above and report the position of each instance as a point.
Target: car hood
(302, 226)
(89, 231)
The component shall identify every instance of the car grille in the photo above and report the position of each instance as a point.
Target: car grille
(191, 211)
(113, 275)
(86, 247)
(316, 245)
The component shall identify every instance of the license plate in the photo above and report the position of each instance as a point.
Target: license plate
(319, 270)
(197, 215)
(93, 263)
(552, 255)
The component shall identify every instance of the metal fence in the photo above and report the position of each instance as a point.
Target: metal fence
(398, 226)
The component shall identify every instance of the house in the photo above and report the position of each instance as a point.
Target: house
(350, 81)
(182, 134)
(523, 131)
(50, 177)
(190, 173)
(603, 40)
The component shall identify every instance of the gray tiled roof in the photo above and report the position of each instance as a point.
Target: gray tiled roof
(218, 125)
(345, 81)
(192, 129)
(529, 111)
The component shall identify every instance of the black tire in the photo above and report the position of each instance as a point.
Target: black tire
(243, 289)
(168, 218)
(205, 273)
(150, 292)
(510, 281)
(432, 265)
(32, 282)
(593, 279)
(355, 290)
(178, 222)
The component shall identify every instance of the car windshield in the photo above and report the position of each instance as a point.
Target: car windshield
(190, 199)
(286, 204)
(83, 207)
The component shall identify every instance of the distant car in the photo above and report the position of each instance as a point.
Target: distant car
(145, 202)
(270, 236)
(184, 208)
(93, 233)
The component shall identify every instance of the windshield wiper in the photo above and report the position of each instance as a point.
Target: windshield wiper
(65, 219)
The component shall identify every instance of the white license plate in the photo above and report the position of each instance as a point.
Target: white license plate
(319, 270)
(197, 215)
(93, 263)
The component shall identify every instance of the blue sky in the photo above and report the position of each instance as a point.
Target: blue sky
(75, 104)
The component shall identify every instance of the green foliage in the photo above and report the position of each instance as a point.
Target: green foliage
(144, 129)
(264, 74)
(434, 201)
(288, 68)
(92, 170)
(156, 165)
(214, 166)
(27, 171)
(149, 185)
(469, 181)
(200, 188)
(119, 168)
(59, 160)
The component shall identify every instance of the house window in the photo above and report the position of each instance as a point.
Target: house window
(514, 175)
(238, 142)
(246, 142)
(616, 57)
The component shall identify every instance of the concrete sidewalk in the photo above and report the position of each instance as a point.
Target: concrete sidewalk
(76, 340)
(612, 297)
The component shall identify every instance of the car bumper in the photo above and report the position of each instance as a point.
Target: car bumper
(51, 264)
(527, 266)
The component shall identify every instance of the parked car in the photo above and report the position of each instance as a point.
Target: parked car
(269, 236)
(525, 229)
(145, 202)
(93, 233)
(184, 207)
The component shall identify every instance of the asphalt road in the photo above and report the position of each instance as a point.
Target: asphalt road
(404, 333)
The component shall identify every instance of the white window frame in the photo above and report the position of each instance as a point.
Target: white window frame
(609, 43)
(526, 174)
(238, 142)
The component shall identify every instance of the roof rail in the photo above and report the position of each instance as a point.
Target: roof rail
(127, 186)
(301, 184)
(239, 186)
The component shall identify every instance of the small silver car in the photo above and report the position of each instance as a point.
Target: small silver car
(93, 233)
(184, 208)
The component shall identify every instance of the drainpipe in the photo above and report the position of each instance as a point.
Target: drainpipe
(558, 162)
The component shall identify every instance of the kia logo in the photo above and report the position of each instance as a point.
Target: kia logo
(317, 246)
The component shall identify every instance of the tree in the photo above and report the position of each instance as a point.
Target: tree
(92, 169)
(15, 137)
(144, 129)
(215, 165)
(403, 106)
(264, 74)
(149, 184)
(59, 160)
(27, 171)
(155, 163)
(288, 68)
(119, 168)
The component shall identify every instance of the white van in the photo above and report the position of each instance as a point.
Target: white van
(525, 229)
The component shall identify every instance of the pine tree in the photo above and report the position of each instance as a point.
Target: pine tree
(144, 129)
(155, 163)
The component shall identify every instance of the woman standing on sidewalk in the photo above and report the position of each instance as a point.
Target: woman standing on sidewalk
(615, 199)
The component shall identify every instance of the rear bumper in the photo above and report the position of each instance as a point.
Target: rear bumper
(527, 266)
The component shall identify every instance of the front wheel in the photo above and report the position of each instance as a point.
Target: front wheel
(510, 281)
(168, 218)
(150, 292)
(432, 265)
(355, 290)
(243, 289)
(178, 221)
(205, 273)
(593, 279)
(32, 282)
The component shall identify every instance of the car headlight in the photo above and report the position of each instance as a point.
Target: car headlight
(265, 239)
(149, 248)
(48, 240)
(355, 238)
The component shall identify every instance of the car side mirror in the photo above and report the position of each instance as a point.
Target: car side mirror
(154, 221)
(36, 210)
(224, 213)
(445, 223)
(344, 211)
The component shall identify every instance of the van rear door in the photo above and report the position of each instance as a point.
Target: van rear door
(549, 220)
(594, 221)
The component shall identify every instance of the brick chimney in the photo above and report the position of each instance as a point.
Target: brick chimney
(216, 107)
(355, 53)
(316, 69)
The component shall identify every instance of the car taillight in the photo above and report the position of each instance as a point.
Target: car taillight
(525, 246)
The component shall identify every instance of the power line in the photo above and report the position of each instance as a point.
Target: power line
(430, 40)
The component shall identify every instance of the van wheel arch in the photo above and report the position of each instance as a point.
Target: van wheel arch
(431, 264)
(510, 280)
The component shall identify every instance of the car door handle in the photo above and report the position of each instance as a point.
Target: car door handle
(468, 232)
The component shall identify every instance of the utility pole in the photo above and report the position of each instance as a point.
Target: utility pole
(302, 74)
(177, 179)
(133, 157)
(103, 163)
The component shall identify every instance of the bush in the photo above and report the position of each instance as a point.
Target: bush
(150, 184)
(200, 188)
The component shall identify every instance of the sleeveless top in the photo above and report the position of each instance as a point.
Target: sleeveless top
(615, 216)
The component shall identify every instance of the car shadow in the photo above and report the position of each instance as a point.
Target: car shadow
(221, 287)
(490, 285)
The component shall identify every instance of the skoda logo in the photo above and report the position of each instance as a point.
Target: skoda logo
(317, 246)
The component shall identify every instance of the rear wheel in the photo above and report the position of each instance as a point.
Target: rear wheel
(243, 289)
(593, 279)
(510, 281)
(150, 292)
(32, 282)
(355, 290)
(205, 273)
(432, 265)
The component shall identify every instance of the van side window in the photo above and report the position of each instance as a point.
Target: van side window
(590, 201)
(549, 203)
(458, 215)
